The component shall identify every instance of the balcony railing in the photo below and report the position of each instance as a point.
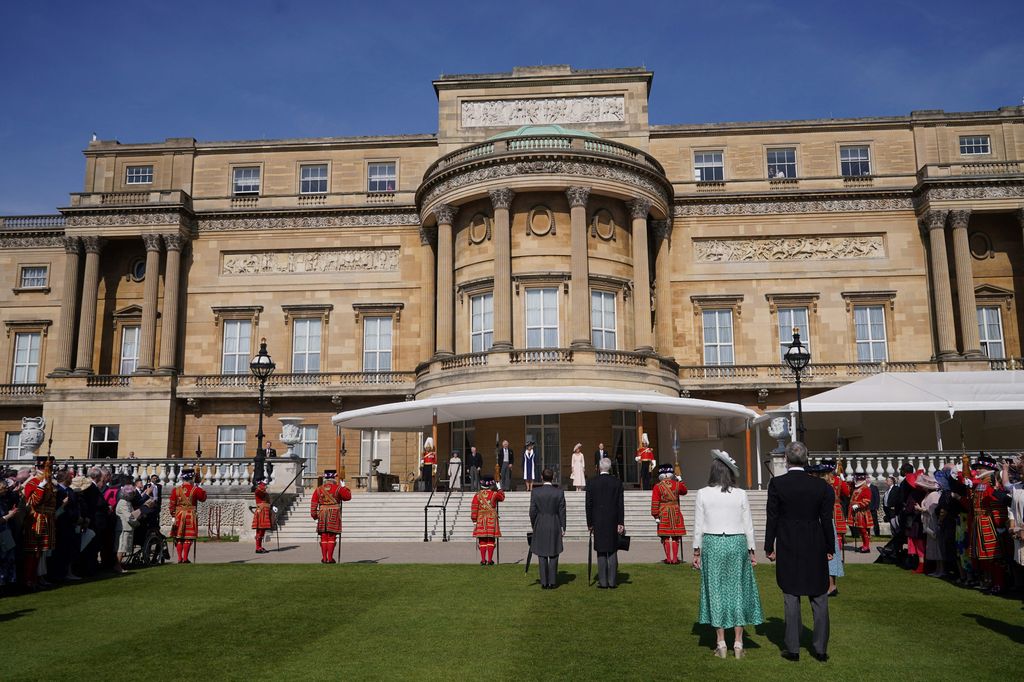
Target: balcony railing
(1006, 364)
(976, 168)
(544, 143)
(30, 222)
(228, 474)
(134, 198)
(108, 380)
(780, 372)
(21, 390)
(878, 465)
(317, 379)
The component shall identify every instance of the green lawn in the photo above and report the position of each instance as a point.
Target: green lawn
(455, 621)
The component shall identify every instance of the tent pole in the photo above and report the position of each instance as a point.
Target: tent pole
(749, 479)
(757, 441)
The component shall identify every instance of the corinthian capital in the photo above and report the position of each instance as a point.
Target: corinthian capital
(935, 220)
(501, 197)
(661, 228)
(578, 196)
(445, 213)
(639, 207)
(93, 244)
(427, 237)
(72, 245)
(152, 242)
(174, 242)
(958, 219)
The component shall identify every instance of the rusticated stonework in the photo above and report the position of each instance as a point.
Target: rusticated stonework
(517, 168)
(320, 261)
(765, 249)
(795, 206)
(541, 110)
(246, 223)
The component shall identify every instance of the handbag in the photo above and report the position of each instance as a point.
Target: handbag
(87, 535)
(623, 541)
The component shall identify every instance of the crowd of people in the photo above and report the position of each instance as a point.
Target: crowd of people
(965, 523)
(57, 527)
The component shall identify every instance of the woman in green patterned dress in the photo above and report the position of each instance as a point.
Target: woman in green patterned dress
(723, 552)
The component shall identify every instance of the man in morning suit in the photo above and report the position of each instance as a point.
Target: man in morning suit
(547, 517)
(506, 459)
(799, 535)
(599, 454)
(474, 462)
(606, 514)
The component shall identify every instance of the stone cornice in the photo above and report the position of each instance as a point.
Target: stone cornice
(802, 203)
(966, 189)
(31, 239)
(123, 218)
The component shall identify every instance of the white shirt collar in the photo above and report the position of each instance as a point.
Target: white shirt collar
(796, 468)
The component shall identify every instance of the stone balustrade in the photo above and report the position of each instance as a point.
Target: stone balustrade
(973, 169)
(30, 222)
(297, 384)
(878, 465)
(229, 475)
(134, 198)
(706, 376)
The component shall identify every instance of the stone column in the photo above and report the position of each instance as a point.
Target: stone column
(427, 275)
(150, 290)
(90, 289)
(935, 222)
(965, 284)
(501, 199)
(68, 306)
(639, 208)
(174, 243)
(663, 287)
(445, 287)
(579, 300)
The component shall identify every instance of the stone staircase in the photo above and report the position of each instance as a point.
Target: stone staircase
(398, 517)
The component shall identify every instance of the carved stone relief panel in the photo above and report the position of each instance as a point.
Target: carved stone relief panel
(479, 228)
(602, 225)
(319, 261)
(542, 110)
(762, 249)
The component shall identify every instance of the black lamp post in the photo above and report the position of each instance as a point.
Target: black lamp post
(261, 367)
(798, 357)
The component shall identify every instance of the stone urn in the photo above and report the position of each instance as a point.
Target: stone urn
(33, 433)
(291, 434)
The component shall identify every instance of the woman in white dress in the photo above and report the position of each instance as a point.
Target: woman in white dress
(579, 477)
(455, 472)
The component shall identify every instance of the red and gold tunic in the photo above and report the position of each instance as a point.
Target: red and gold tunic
(429, 458)
(325, 507)
(484, 513)
(842, 489)
(39, 534)
(861, 517)
(665, 507)
(261, 516)
(183, 501)
(987, 516)
(645, 454)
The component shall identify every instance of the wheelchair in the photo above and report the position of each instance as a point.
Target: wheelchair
(149, 548)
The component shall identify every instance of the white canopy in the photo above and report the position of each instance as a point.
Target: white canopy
(521, 401)
(950, 392)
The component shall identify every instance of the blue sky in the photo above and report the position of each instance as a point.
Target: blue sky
(219, 69)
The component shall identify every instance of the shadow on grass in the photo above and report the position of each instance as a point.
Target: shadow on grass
(366, 561)
(4, 617)
(623, 579)
(564, 578)
(1011, 630)
(774, 629)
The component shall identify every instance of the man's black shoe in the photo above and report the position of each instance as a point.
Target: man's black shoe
(820, 657)
(790, 656)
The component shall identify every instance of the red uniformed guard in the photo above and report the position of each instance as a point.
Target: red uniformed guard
(860, 511)
(842, 490)
(185, 524)
(665, 509)
(262, 517)
(427, 464)
(325, 507)
(484, 513)
(39, 531)
(987, 517)
(645, 455)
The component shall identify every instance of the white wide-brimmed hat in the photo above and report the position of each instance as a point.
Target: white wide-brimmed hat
(724, 457)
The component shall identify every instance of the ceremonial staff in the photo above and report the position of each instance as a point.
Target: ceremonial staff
(840, 469)
(339, 467)
(199, 456)
(497, 477)
(49, 441)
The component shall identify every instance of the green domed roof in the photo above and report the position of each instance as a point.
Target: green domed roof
(530, 131)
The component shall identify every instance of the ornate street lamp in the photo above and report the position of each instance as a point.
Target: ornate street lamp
(798, 357)
(261, 367)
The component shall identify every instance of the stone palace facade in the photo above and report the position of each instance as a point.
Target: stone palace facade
(547, 234)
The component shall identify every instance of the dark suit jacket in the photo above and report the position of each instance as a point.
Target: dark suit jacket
(501, 457)
(547, 516)
(476, 460)
(597, 456)
(606, 511)
(800, 531)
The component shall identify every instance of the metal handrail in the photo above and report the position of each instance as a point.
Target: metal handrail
(443, 506)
